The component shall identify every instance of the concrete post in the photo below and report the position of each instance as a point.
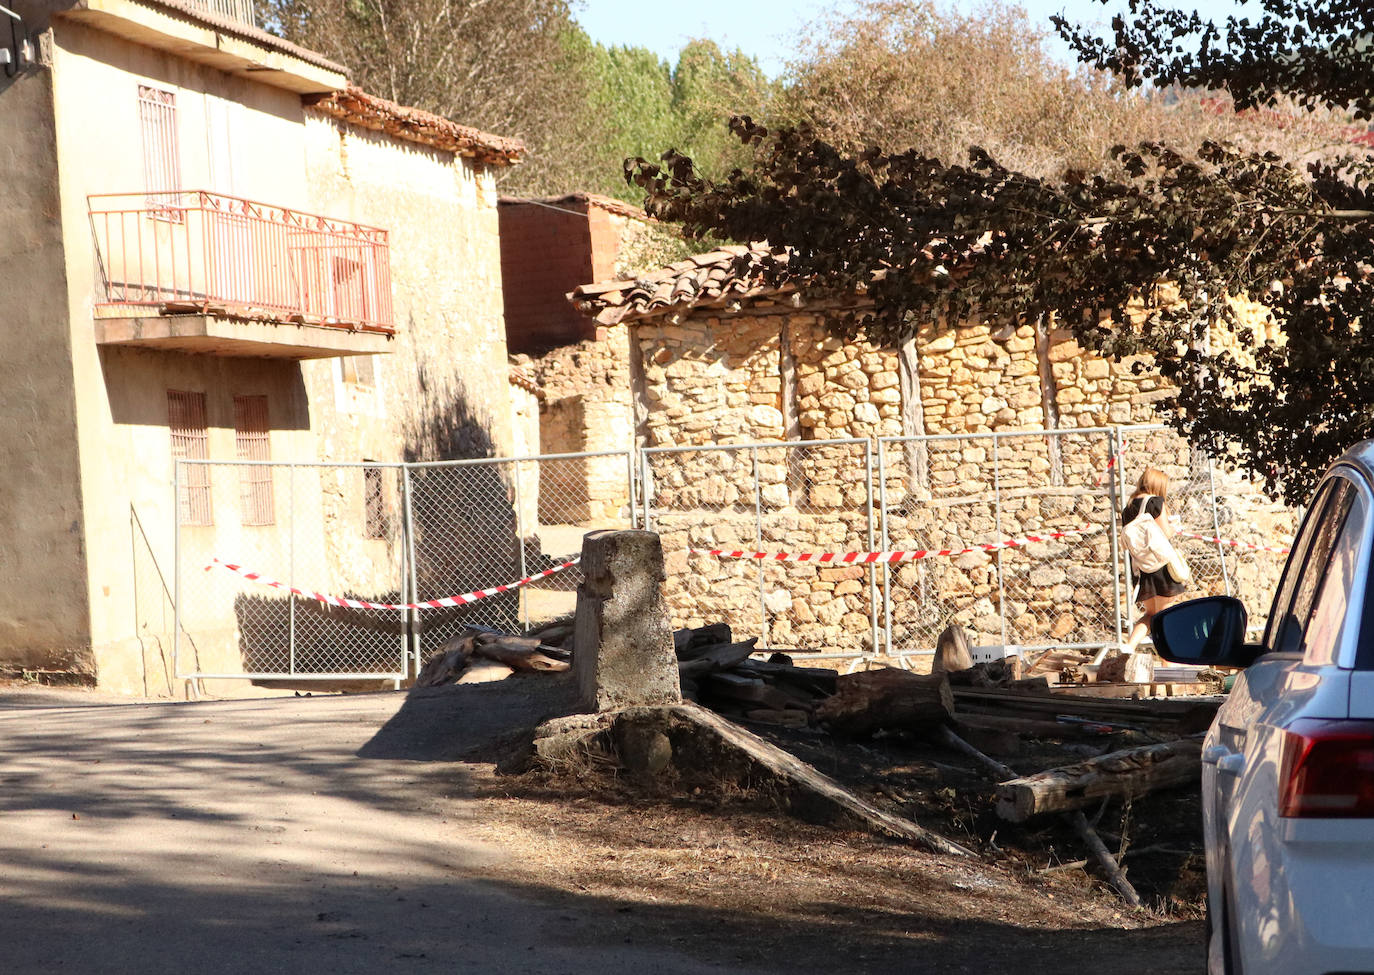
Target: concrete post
(623, 653)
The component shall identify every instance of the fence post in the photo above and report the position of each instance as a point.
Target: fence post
(883, 534)
(634, 494)
(176, 568)
(872, 569)
(521, 594)
(1121, 570)
(644, 488)
(997, 507)
(758, 543)
(1216, 528)
(412, 582)
(291, 574)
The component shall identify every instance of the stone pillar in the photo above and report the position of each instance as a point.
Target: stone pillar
(623, 652)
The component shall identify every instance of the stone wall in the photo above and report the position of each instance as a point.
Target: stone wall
(771, 374)
(589, 407)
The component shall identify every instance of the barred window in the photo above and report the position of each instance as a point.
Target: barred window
(157, 117)
(191, 441)
(252, 440)
(377, 517)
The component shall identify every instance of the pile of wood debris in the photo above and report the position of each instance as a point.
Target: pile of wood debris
(978, 711)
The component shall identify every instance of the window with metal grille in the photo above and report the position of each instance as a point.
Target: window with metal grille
(190, 441)
(255, 480)
(157, 119)
(377, 518)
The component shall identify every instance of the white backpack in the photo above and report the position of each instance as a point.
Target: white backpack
(1150, 548)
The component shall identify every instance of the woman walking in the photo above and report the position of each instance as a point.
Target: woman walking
(1155, 566)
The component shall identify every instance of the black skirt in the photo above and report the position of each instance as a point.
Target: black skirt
(1156, 583)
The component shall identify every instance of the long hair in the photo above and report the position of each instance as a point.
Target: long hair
(1153, 481)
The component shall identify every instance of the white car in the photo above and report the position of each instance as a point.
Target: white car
(1288, 765)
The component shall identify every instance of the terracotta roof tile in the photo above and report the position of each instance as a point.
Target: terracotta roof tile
(357, 107)
(715, 276)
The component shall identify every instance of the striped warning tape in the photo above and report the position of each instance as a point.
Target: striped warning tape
(1276, 549)
(445, 602)
(864, 558)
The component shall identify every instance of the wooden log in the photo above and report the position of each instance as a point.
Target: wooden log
(1115, 876)
(887, 698)
(786, 717)
(721, 657)
(817, 681)
(951, 651)
(1058, 702)
(517, 652)
(1035, 727)
(442, 668)
(684, 641)
(750, 690)
(1124, 774)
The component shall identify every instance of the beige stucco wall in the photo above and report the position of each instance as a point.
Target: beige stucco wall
(103, 533)
(444, 390)
(43, 614)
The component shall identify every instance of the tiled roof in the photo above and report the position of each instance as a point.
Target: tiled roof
(357, 107)
(228, 25)
(520, 376)
(608, 203)
(714, 277)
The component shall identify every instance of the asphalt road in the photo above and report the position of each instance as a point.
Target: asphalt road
(287, 835)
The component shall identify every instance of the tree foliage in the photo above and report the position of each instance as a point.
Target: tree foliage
(1319, 51)
(1145, 257)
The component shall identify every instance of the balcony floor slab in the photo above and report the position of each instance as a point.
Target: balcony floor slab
(215, 335)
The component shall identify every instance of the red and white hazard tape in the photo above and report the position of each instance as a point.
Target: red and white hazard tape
(445, 602)
(864, 558)
(1276, 549)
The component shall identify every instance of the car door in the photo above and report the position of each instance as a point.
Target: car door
(1297, 675)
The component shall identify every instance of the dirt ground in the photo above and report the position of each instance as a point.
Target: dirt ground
(372, 833)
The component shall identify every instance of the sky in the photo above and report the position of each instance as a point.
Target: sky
(767, 29)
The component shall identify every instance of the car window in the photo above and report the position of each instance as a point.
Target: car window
(1312, 619)
(1297, 559)
(1321, 638)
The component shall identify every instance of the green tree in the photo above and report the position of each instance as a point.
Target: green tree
(934, 240)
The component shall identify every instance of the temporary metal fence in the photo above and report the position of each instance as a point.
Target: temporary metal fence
(1067, 585)
(382, 533)
(1030, 520)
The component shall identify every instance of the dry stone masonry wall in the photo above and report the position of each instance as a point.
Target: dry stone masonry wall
(768, 373)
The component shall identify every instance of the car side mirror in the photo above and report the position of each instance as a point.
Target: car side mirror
(1207, 632)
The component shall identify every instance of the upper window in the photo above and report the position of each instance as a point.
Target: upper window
(190, 441)
(255, 480)
(157, 119)
(359, 371)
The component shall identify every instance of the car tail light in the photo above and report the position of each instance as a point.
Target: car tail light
(1327, 770)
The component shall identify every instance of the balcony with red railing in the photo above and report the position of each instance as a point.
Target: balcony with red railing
(207, 272)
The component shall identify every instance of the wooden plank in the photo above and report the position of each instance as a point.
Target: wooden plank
(1124, 774)
(887, 698)
(721, 657)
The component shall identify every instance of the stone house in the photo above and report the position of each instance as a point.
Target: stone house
(703, 352)
(220, 249)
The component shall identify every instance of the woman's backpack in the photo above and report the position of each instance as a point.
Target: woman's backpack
(1150, 548)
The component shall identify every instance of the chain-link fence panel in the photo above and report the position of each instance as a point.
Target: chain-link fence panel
(478, 524)
(963, 492)
(335, 529)
(775, 498)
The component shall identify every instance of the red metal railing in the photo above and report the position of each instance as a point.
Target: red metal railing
(195, 251)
